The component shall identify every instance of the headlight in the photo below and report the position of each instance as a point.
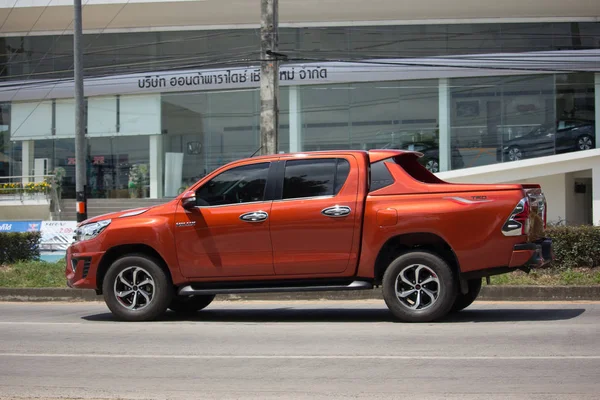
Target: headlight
(90, 231)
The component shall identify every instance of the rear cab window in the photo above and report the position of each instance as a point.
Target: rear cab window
(381, 177)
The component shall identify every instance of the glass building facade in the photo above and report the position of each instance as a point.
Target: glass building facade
(174, 138)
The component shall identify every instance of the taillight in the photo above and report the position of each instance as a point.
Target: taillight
(538, 204)
(518, 222)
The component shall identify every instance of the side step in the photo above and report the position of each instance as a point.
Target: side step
(356, 285)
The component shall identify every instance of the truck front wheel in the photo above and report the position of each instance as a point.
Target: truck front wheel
(465, 300)
(136, 289)
(419, 287)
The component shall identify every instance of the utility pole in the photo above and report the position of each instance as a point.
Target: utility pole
(80, 178)
(269, 76)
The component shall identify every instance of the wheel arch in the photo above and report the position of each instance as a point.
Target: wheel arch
(114, 253)
(425, 241)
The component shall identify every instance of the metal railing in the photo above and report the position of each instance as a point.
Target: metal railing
(25, 187)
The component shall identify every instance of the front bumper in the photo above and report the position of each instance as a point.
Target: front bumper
(81, 268)
(532, 255)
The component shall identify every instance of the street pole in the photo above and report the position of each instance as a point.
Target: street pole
(80, 178)
(269, 76)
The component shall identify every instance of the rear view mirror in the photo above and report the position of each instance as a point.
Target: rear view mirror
(188, 201)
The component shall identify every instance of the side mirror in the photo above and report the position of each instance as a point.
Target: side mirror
(188, 201)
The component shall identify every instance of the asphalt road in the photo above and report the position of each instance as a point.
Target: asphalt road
(306, 350)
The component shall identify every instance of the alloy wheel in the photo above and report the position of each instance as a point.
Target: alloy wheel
(585, 143)
(417, 287)
(134, 288)
(515, 154)
(432, 166)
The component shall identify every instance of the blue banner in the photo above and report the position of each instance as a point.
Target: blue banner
(20, 226)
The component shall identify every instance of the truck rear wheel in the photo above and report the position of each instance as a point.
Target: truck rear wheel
(190, 304)
(465, 300)
(136, 289)
(419, 287)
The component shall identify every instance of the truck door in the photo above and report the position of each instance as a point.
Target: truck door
(227, 234)
(315, 217)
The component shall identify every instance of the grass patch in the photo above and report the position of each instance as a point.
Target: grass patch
(33, 274)
(550, 277)
(44, 274)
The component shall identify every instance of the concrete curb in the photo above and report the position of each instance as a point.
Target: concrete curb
(489, 293)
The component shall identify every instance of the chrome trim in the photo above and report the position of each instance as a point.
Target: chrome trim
(512, 227)
(133, 213)
(254, 216)
(304, 198)
(235, 204)
(355, 285)
(336, 211)
(187, 223)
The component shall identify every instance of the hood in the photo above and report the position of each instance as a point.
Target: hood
(120, 214)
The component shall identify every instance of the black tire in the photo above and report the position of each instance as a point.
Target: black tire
(465, 300)
(190, 304)
(426, 311)
(161, 288)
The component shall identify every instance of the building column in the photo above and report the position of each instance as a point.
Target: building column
(597, 104)
(27, 154)
(444, 109)
(295, 119)
(596, 195)
(571, 205)
(156, 166)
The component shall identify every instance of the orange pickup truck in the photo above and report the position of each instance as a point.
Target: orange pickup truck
(316, 221)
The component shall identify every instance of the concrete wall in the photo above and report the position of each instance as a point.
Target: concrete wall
(111, 15)
(23, 211)
(556, 174)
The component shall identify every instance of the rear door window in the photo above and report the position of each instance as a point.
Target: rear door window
(314, 177)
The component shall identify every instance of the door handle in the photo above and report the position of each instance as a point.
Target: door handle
(336, 211)
(254, 216)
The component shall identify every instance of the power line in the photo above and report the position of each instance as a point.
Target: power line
(49, 91)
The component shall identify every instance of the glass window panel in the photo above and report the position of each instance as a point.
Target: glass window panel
(65, 118)
(244, 184)
(210, 129)
(102, 116)
(139, 114)
(343, 170)
(7, 163)
(496, 119)
(380, 176)
(118, 167)
(309, 178)
(31, 120)
(325, 117)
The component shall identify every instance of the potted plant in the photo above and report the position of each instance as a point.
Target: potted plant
(138, 179)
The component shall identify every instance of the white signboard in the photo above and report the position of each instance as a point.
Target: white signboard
(312, 74)
(57, 235)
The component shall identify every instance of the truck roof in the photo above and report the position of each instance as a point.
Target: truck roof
(374, 155)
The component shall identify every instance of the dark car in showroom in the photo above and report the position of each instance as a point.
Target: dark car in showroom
(431, 154)
(548, 139)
